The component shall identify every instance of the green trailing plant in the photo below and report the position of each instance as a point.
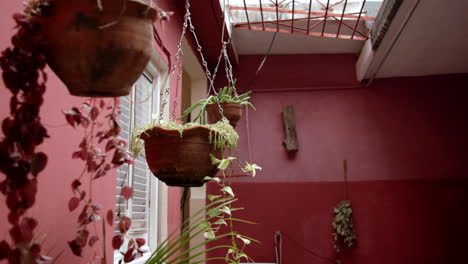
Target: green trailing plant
(225, 95)
(343, 225)
(208, 221)
(222, 134)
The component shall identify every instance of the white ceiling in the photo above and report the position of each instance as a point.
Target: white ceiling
(434, 41)
(249, 42)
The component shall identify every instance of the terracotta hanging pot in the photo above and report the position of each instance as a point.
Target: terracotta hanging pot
(232, 111)
(180, 160)
(98, 53)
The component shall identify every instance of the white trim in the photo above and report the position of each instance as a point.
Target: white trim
(157, 70)
(163, 203)
(370, 61)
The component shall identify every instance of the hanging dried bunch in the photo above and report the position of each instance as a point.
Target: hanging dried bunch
(343, 225)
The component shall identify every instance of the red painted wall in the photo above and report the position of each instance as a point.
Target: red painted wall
(406, 146)
(51, 207)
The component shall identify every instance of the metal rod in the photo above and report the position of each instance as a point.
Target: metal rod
(286, 25)
(261, 12)
(274, 21)
(357, 21)
(292, 19)
(316, 25)
(335, 4)
(350, 27)
(325, 19)
(317, 34)
(342, 15)
(246, 14)
(301, 12)
(308, 17)
(277, 17)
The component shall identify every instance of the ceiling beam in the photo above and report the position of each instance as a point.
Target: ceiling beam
(300, 12)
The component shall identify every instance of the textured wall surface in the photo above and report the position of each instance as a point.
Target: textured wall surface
(406, 147)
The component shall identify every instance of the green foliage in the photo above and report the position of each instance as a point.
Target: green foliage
(343, 225)
(207, 221)
(221, 136)
(251, 168)
(225, 95)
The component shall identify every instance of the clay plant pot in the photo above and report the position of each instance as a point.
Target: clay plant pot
(98, 53)
(232, 111)
(180, 161)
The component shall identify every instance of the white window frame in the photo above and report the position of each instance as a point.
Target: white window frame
(158, 70)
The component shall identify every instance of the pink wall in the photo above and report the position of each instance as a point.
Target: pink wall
(51, 208)
(405, 142)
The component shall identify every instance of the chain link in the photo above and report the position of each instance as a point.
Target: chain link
(210, 76)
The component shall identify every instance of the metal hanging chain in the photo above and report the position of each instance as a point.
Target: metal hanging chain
(178, 64)
(210, 77)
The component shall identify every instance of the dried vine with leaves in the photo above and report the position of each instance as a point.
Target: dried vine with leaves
(343, 225)
(343, 218)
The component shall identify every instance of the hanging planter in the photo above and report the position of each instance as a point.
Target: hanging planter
(98, 48)
(179, 155)
(230, 103)
(232, 111)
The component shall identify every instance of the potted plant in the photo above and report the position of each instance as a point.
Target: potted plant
(230, 103)
(215, 223)
(179, 155)
(98, 48)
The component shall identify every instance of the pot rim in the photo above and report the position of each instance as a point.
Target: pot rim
(199, 129)
(229, 104)
(132, 8)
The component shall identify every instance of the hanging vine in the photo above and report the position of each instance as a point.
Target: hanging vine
(24, 76)
(97, 163)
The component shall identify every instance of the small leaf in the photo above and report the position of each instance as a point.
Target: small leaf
(130, 255)
(251, 168)
(225, 210)
(110, 217)
(117, 242)
(227, 189)
(127, 192)
(140, 242)
(94, 113)
(204, 225)
(4, 250)
(220, 222)
(209, 234)
(212, 197)
(224, 163)
(70, 119)
(245, 240)
(38, 163)
(73, 203)
(208, 178)
(93, 240)
(75, 184)
(214, 160)
(242, 255)
(125, 224)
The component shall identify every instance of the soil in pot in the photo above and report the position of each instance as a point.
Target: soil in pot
(232, 111)
(180, 160)
(98, 53)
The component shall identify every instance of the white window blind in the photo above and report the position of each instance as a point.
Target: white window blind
(136, 110)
